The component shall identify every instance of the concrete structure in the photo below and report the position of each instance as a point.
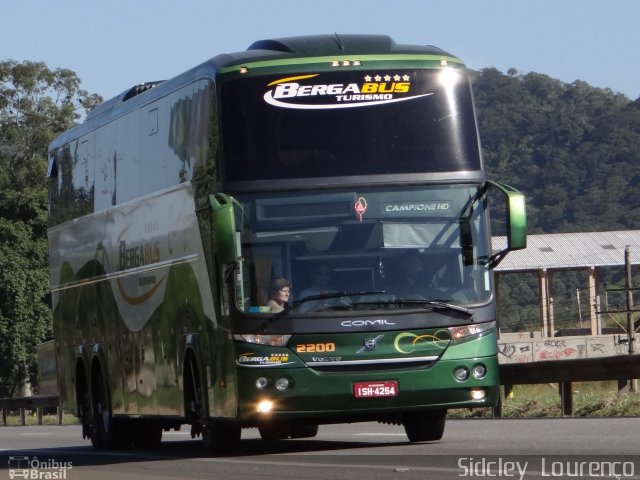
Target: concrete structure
(587, 251)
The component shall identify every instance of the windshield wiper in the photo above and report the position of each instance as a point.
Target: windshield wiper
(434, 303)
(310, 298)
(328, 295)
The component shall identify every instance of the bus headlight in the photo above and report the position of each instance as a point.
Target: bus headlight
(461, 374)
(262, 383)
(477, 394)
(463, 331)
(284, 383)
(479, 371)
(272, 340)
(265, 406)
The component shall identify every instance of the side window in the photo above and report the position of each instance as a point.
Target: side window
(71, 180)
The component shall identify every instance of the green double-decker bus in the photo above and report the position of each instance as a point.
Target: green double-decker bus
(284, 237)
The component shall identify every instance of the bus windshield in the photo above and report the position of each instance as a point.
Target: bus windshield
(370, 249)
(343, 123)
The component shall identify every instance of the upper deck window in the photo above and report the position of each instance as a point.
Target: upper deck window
(348, 123)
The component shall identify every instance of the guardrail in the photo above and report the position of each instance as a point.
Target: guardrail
(36, 402)
(563, 372)
(529, 358)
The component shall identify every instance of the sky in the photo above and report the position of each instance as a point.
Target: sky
(115, 44)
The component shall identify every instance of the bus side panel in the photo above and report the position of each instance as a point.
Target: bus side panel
(133, 279)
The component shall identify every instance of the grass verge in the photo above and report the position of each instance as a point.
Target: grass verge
(590, 399)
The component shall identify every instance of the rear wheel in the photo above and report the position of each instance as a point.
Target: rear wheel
(146, 434)
(83, 401)
(424, 426)
(106, 432)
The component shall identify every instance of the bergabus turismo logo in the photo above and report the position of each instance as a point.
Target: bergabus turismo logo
(309, 92)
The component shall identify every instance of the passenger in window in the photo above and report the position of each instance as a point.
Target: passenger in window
(279, 294)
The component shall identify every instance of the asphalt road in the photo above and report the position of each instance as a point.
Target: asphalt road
(487, 448)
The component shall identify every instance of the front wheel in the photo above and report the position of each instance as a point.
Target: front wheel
(220, 435)
(217, 435)
(424, 426)
(271, 432)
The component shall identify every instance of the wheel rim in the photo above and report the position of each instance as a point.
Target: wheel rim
(103, 413)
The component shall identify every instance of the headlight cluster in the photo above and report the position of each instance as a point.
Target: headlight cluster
(479, 371)
(272, 340)
(281, 384)
(460, 332)
(264, 384)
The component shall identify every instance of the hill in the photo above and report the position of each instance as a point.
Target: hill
(572, 149)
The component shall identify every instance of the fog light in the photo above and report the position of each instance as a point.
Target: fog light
(461, 374)
(477, 394)
(479, 371)
(283, 383)
(265, 406)
(262, 383)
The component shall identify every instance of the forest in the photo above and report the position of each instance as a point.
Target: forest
(572, 149)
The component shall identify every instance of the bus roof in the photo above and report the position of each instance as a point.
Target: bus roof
(320, 46)
(262, 50)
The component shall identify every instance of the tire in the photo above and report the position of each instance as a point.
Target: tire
(424, 426)
(83, 401)
(106, 433)
(220, 436)
(146, 434)
(271, 432)
(304, 431)
(217, 435)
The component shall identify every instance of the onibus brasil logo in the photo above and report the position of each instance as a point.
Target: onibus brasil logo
(33, 468)
(292, 92)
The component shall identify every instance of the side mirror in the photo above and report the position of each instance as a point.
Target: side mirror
(224, 228)
(516, 219)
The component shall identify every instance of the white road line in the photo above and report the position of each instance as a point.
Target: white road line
(397, 468)
(379, 434)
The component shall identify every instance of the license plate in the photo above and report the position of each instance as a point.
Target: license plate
(387, 388)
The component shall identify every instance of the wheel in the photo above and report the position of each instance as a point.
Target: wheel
(217, 435)
(303, 431)
(220, 436)
(83, 401)
(424, 426)
(271, 432)
(146, 435)
(106, 432)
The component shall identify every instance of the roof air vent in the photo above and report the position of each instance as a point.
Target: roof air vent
(140, 88)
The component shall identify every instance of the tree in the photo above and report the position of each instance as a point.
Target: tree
(36, 104)
(574, 151)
